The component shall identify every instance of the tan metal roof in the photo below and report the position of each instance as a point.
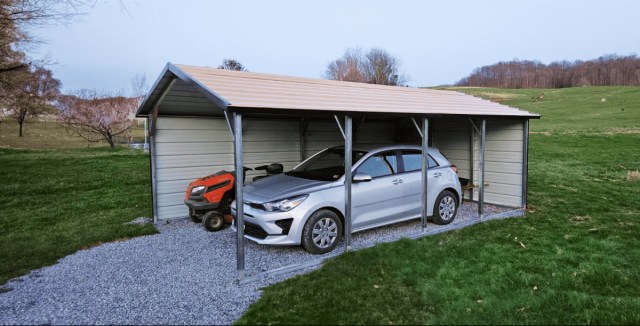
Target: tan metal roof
(255, 90)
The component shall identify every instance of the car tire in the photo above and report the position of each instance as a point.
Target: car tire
(322, 232)
(445, 208)
(213, 221)
(194, 217)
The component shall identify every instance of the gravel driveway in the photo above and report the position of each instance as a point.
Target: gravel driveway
(184, 275)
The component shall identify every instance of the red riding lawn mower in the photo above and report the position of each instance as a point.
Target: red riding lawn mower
(209, 198)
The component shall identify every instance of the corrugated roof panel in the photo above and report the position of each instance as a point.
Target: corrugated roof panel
(254, 90)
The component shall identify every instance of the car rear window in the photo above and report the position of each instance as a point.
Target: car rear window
(413, 161)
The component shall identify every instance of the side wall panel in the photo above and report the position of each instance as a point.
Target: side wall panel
(452, 136)
(189, 148)
(503, 162)
(322, 134)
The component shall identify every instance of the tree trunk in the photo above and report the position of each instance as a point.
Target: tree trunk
(21, 123)
(110, 141)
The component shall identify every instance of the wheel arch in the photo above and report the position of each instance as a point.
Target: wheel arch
(332, 209)
(455, 193)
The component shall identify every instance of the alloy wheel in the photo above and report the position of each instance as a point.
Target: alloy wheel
(447, 208)
(325, 232)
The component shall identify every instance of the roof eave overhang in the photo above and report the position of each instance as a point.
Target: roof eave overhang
(169, 73)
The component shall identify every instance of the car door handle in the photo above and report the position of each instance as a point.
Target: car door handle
(437, 174)
(397, 181)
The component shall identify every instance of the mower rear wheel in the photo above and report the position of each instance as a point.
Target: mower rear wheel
(213, 221)
(194, 217)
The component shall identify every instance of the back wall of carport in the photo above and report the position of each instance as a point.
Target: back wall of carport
(187, 148)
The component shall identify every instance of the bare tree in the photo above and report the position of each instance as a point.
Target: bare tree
(603, 71)
(232, 64)
(382, 68)
(17, 17)
(351, 67)
(95, 116)
(32, 95)
(139, 87)
(375, 67)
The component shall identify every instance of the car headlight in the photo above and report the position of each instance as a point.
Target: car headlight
(284, 205)
(197, 189)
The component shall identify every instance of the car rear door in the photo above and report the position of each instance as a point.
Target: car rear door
(412, 177)
(376, 201)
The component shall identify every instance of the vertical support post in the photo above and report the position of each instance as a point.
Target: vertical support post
(425, 173)
(145, 146)
(483, 140)
(237, 149)
(472, 166)
(525, 164)
(348, 150)
(302, 143)
(152, 155)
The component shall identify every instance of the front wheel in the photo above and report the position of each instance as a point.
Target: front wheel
(445, 208)
(213, 221)
(322, 232)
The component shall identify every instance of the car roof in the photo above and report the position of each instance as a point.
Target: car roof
(374, 148)
(433, 152)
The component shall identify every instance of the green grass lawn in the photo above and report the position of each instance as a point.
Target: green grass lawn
(55, 202)
(574, 259)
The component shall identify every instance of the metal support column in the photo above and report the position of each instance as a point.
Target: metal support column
(348, 150)
(237, 147)
(425, 173)
(483, 139)
(525, 163)
(152, 156)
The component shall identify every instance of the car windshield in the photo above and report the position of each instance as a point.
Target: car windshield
(328, 165)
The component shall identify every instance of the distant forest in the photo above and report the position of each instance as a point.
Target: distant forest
(607, 70)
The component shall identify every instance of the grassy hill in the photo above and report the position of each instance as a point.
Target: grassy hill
(571, 110)
(572, 260)
(50, 134)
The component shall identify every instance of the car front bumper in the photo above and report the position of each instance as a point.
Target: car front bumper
(272, 228)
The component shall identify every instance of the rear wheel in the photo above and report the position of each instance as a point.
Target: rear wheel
(213, 221)
(445, 208)
(322, 232)
(194, 217)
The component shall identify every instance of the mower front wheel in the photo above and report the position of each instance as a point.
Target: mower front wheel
(213, 221)
(194, 217)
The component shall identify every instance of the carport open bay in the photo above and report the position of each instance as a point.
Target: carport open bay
(184, 275)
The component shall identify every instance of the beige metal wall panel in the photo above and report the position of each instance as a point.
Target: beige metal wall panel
(452, 137)
(323, 134)
(503, 162)
(189, 148)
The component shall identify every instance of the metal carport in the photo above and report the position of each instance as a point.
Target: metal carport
(186, 91)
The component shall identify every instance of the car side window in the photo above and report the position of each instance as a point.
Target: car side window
(380, 165)
(413, 161)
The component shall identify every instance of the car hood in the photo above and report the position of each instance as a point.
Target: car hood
(281, 186)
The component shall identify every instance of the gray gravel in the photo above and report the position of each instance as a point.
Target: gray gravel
(184, 275)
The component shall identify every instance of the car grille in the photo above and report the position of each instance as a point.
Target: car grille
(254, 230)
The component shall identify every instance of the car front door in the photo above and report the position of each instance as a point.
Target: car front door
(376, 201)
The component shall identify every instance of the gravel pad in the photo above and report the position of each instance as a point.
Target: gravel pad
(184, 275)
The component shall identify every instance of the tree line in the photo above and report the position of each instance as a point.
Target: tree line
(608, 70)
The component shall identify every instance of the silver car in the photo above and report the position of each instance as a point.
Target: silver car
(306, 205)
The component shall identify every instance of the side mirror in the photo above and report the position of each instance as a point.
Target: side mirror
(361, 177)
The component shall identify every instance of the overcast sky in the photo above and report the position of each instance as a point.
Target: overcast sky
(437, 42)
